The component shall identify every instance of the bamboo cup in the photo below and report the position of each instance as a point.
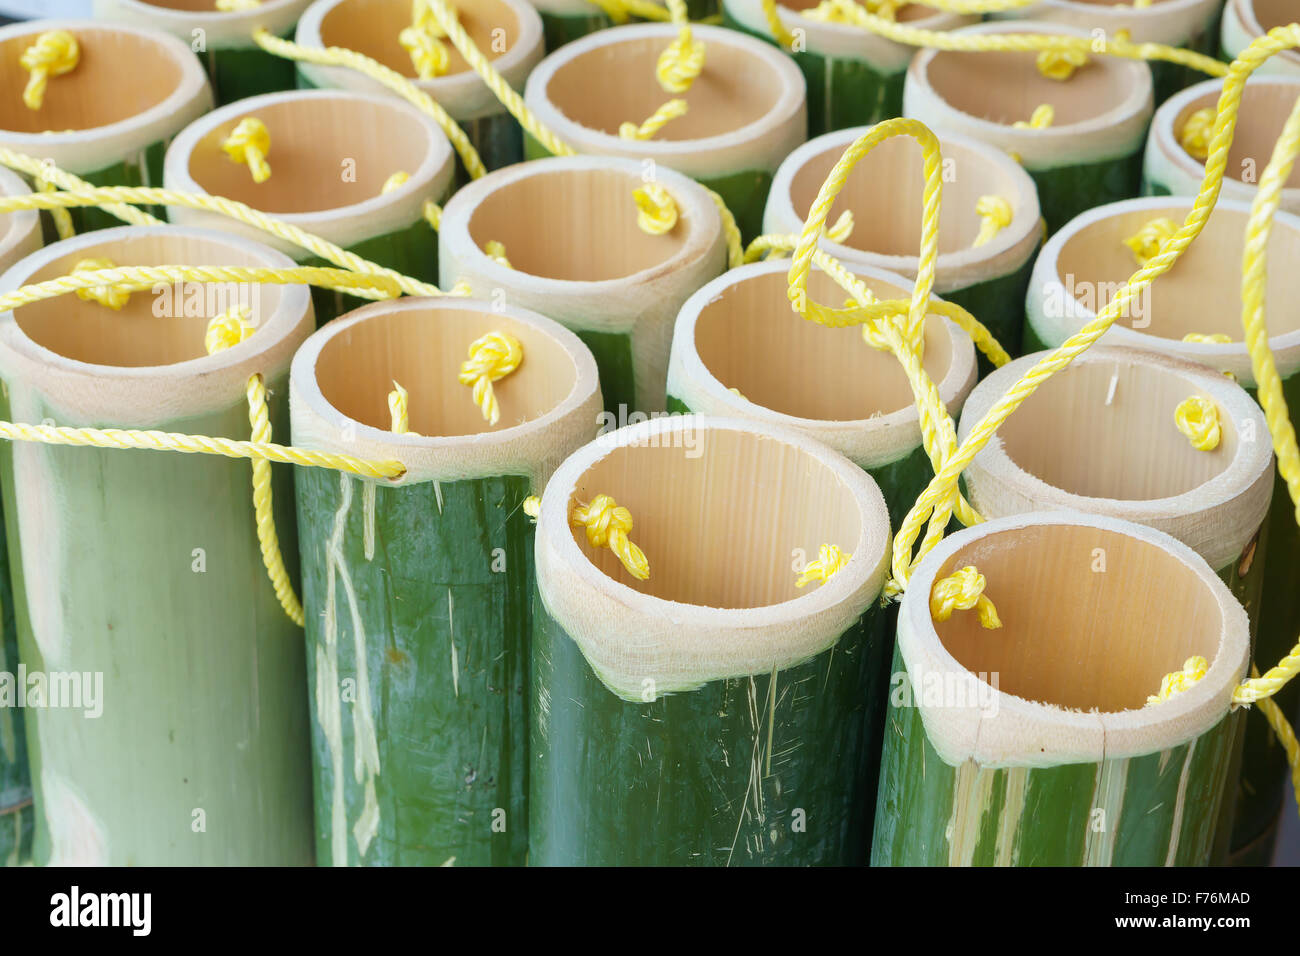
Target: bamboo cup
(577, 255)
(508, 32)
(737, 333)
(332, 152)
(853, 75)
(1169, 169)
(1247, 20)
(746, 108)
(884, 193)
(1030, 744)
(1092, 152)
(417, 592)
(714, 714)
(568, 20)
(198, 753)
(110, 119)
(1078, 271)
(1189, 24)
(223, 40)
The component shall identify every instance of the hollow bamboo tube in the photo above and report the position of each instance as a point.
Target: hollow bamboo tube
(577, 255)
(853, 75)
(568, 20)
(222, 40)
(1078, 271)
(746, 108)
(884, 193)
(737, 332)
(110, 119)
(508, 32)
(1247, 20)
(1092, 152)
(332, 152)
(1169, 169)
(714, 714)
(140, 573)
(417, 592)
(1030, 744)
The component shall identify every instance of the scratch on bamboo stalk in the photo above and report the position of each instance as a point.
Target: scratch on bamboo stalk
(329, 705)
(451, 630)
(368, 519)
(1013, 808)
(77, 838)
(1108, 797)
(1176, 827)
(963, 831)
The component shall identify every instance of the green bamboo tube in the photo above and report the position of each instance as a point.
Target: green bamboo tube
(854, 76)
(1189, 24)
(1247, 20)
(568, 20)
(332, 152)
(1077, 272)
(736, 333)
(1092, 152)
(1168, 169)
(577, 255)
(746, 108)
(1030, 745)
(884, 192)
(110, 119)
(714, 714)
(144, 568)
(508, 32)
(1100, 437)
(222, 40)
(417, 592)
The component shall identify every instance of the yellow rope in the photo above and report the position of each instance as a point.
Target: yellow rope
(842, 229)
(48, 172)
(619, 11)
(963, 590)
(533, 507)
(1198, 419)
(830, 559)
(395, 181)
(1147, 242)
(108, 295)
(1213, 338)
(237, 6)
(656, 210)
(491, 358)
(683, 60)
(62, 218)
(608, 524)
(1060, 64)
(1042, 117)
(1175, 683)
(1285, 735)
(250, 143)
(398, 401)
(655, 122)
(496, 251)
(995, 215)
(1195, 134)
(54, 53)
(423, 41)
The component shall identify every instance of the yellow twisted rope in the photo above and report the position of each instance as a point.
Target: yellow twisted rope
(1041, 118)
(237, 6)
(423, 41)
(655, 122)
(491, 358)
(1060, 64)
(398, 402)
(608, 524)
(62, 218)
(1195, 134)
(656, 210)
(250, 143)
(1175, 683)
(1147, 242)
(496, 251)
(683, 60)
(1215, 338)
(533, 507)
(108, 295)
(619, 11)
(1198, 419)
(54, 53)
(963, 590)
(995, 215)
(830, 560)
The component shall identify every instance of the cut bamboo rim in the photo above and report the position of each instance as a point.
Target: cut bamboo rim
(221, 29)
(884, 193)
(21, 234)
(1173, 22)
(1265, 104)
(720, 509)
(738, 332)
(341, 377)
(372, 27)
(1102, 111)
(317, 138)
(746, 106)
(146, 363)
(1099, 437)
(1079, 650)
(569, 226)
(132, 88)
(1086, 262)
(1246, 20)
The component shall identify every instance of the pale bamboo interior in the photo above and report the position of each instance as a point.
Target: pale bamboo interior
(911, 11)
(372, 27)
(423, 350)
(119, 75)
(615, 83)
(1275, 13)
(138, 336)
(1075, 637)
(749, 339)
(1264, 110)
(327, 152)
(1129, 449)
(884, 192)
(720, 514)
(576, 224)
(1202, 292)
(197, 6)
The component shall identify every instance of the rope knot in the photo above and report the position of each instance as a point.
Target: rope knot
(54, 53)
(830, 559)
(491, 357)
(680, 62)
(397, 408)
(1194, 668)
(995, 215)
(228, 329)
(111, 296)
(250, 143)
(657, 211)
(395, 181)
(1198, 419)
(961, 591)
(1147, 241)
(1060, 64)
(608, 524)
(1042, 117)
(1195, 134)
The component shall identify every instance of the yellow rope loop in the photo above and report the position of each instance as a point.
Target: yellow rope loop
(655, 122)
(608, 524)
(396, 181)
(1060, 64)
(462, 288)
(62, 218)
(1211, 338)
(961, 591)
(833, 11)
(433, 214)
(1042, 117)
(1147, 242)
(397, 408)
(842, 229)
(228, 329)
(533, 507)
(422, 40)
(995, 215)
(1198, 419)
(496, 251)
(237, 6)
(491, 358)
(250, 143)
(1195, 134)
(830, 559)
(54, 53)
(657, 212)
(683, 59)
(1194, 668)
(112, 296)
